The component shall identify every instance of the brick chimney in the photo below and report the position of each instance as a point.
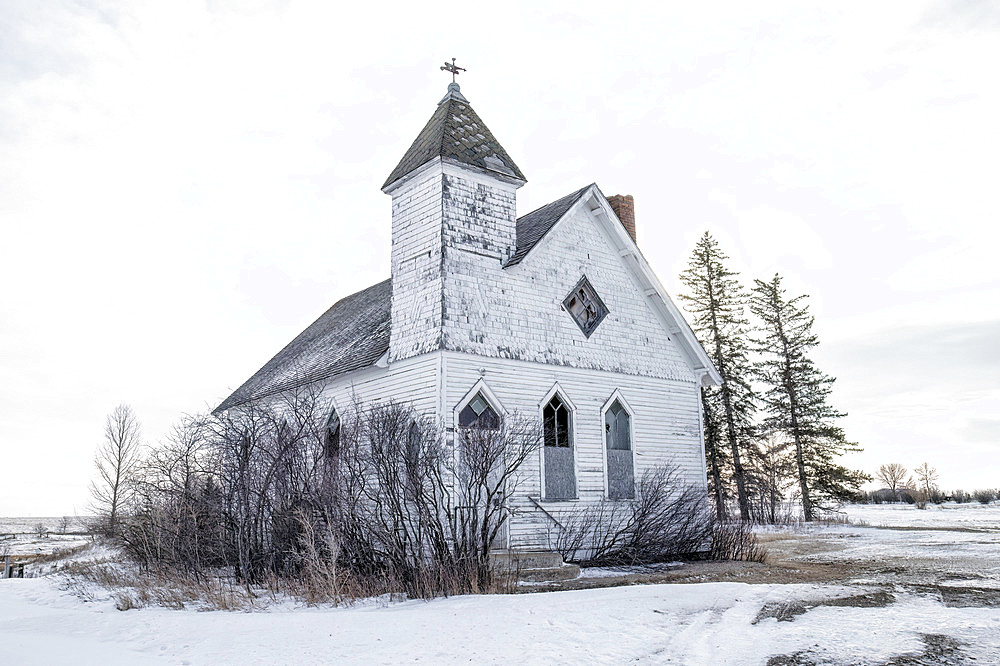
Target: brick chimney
(624, 207)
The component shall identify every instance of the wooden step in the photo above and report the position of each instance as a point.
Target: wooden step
(522, 560)
(564, 572)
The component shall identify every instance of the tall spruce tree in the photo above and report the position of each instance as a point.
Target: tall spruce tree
(717, 302)
(796, 399)
(716, 459)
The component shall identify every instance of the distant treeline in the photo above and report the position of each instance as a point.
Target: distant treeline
(935, 496)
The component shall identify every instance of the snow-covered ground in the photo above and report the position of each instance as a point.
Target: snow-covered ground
(41, 536)
(709, 623)
(971, 515)
(874, 613)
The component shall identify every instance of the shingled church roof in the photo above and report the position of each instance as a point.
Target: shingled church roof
(532, 227)
(456, 133)
(352, 334)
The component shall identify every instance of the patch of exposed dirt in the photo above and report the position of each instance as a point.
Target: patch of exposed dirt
(706, 572)
(786, 611)
(939, 650)
(794, 659)
(962, 596)
(815, 557)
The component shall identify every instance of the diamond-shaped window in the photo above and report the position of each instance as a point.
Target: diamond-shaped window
(586, 307)
(478, 414)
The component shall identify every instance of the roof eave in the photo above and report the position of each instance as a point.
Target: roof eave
(672, 318)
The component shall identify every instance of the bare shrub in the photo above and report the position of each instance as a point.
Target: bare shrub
(667, 520)
(262, 491)
(64, 524)
(984, 496)
(772, 475)
(735, 540)
(420, 512)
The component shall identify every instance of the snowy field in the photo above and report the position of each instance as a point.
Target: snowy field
(948, 515)
(41, 536)
(898, 596)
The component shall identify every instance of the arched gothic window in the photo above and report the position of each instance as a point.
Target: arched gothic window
(478, 414)
(618, 439)
(414, 440)
(560, 469)
(332, 436)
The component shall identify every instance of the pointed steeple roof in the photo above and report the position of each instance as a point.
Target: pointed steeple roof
(457, 134)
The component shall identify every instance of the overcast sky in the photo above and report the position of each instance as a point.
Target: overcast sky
(185, 186)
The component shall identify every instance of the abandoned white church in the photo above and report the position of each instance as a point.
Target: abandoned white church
(554, 314)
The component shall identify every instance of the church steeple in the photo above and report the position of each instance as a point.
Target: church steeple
(454, 221)
(457, 134)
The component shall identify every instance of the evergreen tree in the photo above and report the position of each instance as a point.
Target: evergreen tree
(797, 397)
(717, 301)
(717, 462)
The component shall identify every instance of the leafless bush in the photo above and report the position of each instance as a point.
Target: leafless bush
(667, 520)
(984, 496)
(262, 491)
(736, 541)
(423, 512)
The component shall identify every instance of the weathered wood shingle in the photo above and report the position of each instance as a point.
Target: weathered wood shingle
(352, 334)
(532, 227)
(455, 132)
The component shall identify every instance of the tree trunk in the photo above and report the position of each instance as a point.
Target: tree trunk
(741, 485)
(712, 444)
(807, 513)
(803, 484)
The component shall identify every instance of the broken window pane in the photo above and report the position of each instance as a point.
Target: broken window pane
(618, 436)
(585, 306)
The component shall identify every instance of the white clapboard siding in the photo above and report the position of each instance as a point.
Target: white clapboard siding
(412, 381)
(666, 426)
(516, 312)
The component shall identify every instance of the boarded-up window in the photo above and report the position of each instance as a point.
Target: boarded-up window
(478, 414)
(560, 473)
(618, 436)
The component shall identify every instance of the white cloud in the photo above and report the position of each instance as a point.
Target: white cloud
(184, 186)
(773, 237)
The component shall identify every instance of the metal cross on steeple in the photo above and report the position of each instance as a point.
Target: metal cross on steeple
(453, 68)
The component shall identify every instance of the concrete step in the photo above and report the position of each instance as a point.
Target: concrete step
(564, 572)
(526, 559)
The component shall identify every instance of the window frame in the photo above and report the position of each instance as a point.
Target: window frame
(617, 395)
(604, 311)
(479, 387)
(326, 432)
(573, 412)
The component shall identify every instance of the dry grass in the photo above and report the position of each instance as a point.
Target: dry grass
(321, 583)
(54, 556)
(131, 588)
